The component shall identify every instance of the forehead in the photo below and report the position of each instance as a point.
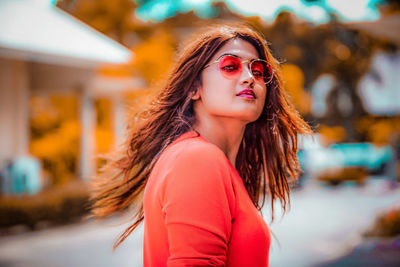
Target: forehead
(238, 47)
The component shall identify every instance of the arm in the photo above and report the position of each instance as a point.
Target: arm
(198, 205)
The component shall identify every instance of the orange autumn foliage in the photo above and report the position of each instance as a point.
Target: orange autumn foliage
(55, 135)
(332, 134)
(154, 56)
(294, 85)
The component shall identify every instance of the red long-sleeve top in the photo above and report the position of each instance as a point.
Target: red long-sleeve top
(198, 212)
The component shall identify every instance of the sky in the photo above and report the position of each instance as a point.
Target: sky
(379, 90)
(316, 11)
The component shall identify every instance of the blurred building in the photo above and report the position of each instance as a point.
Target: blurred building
(43, 50)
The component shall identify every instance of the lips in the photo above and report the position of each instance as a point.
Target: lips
(247, 93)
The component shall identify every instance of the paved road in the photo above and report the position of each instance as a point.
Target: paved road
(326, 223)
(86, 244)
(323, 224)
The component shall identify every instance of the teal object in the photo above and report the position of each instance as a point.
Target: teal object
(24, 176)
(363, 154)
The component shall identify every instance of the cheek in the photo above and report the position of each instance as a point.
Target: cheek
(215, 90)
(215, 99)
(264, 99)
(262, 92)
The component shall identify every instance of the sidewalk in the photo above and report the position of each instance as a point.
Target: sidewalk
(323, 226)
(371, 253)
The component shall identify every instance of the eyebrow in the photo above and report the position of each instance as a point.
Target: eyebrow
(233, 55)
(228, 54)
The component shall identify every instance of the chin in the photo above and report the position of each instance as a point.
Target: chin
(246, 114)
(249, 117)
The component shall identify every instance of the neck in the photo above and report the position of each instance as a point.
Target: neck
(226, 133)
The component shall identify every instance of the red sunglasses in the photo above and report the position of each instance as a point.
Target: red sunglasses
(231, 67)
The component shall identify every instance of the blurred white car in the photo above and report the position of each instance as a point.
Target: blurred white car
(316, 159)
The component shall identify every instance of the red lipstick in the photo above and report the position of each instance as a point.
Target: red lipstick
(247, 93)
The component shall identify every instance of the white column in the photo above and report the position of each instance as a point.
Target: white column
(22, 109)
(87, 142)
(14, 106)
(119, 119)
(7, 107)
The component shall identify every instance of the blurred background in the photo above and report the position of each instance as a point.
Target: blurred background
(72, 73)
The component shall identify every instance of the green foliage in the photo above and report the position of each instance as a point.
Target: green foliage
(309, 50)
(380, 130)
(55, 134)
(113, 18)
(154, 57)
(104, 126)
(387, 224)
(59, 205)
(348, 174)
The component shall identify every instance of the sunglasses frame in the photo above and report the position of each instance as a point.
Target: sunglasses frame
(249, 61)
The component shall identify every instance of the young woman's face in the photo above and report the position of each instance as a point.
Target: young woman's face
(230, 90)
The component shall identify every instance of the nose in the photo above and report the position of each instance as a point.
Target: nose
(246, 75)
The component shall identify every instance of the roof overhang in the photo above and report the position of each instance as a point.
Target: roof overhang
(35, 30)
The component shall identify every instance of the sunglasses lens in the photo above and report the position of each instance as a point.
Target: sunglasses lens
(230, 66)
(261, 71)
(257, 69)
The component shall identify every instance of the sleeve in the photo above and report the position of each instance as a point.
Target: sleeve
(198, 205)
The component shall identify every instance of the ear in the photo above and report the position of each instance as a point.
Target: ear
(196, 94)
(196, 91)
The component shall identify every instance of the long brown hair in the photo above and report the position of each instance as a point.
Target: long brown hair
(267, 156)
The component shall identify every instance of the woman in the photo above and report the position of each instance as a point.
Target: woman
(221, 137)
